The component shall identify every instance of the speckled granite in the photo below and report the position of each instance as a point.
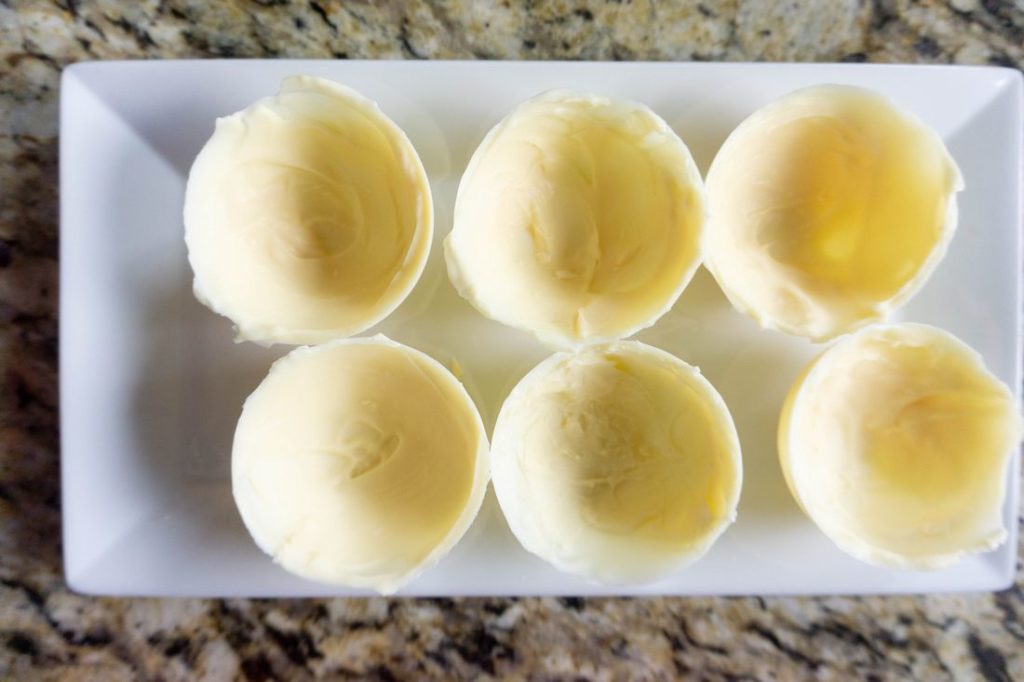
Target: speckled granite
(48, 633)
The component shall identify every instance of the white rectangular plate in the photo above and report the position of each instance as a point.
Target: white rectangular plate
(151, 382)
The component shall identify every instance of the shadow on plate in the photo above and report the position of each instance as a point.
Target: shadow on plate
(194, 380)
(752, 369)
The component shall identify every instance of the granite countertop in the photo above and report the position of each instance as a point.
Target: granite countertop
(46, 632)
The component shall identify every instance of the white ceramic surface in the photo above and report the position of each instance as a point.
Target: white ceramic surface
(151, 383)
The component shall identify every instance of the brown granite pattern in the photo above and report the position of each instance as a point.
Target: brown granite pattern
(48, 633)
